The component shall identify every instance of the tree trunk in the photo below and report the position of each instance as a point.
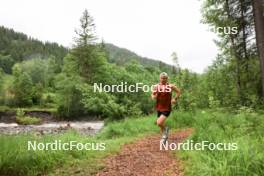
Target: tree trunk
(244, 39)
(259, 28)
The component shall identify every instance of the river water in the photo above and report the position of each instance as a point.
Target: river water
(83, 127)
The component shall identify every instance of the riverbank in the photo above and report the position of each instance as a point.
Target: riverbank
(82, 127)
(49, 123)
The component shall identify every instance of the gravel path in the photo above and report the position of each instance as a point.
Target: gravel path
(144, 158)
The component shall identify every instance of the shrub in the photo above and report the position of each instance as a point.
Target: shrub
(25, 120)
(28, 120)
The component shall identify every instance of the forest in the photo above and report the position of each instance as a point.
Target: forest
(48, 75)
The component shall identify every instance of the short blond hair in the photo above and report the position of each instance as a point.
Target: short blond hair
(164, 74)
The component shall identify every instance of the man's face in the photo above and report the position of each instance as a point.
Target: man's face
(163, 79)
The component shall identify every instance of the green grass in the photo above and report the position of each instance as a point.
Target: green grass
(5, 109)
(15, 159)
(28, 120)
(246, 129)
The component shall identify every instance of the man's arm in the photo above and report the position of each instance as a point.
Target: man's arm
(154, 93)
(178, 93)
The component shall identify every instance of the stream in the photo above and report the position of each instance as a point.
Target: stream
(83, 127)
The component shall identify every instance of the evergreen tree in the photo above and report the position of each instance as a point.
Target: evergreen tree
(175, 60)
(88, 54)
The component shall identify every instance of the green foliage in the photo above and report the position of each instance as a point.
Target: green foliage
(22, 87)
(22, 119)
(90, 61)
(234, 77)
(6, 63)
(40, 70)
(1, 80)
(28, 120)
(37, 92)
(69, 97)
(213, 103)
(20, 112)
(6, 90)
(189, 84)
(88, 55)
(101, 103)
(48, 100)
(32, 79)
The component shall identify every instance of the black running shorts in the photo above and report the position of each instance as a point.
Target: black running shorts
(165, 113)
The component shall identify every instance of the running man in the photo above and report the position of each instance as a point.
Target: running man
(162, 93)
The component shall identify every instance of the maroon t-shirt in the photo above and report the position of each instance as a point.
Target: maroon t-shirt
(164, 94)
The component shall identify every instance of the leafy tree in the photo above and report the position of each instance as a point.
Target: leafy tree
(69, 96)
(101, 104)
(236, 63)
(37, 93)
(36, 69)
(66, 84)
(22, 87)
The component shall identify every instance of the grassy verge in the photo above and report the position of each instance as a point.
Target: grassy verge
(244, 128)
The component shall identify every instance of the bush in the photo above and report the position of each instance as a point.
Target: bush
(101, 103)
(26, 120)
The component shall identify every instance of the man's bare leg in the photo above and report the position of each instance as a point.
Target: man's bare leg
(160, 123)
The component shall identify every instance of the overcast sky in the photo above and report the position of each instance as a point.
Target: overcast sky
(151, 28)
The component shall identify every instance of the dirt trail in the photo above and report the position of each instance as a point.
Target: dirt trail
(144, 158)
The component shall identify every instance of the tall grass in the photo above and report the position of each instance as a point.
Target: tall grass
(16, 159)
(244, 128)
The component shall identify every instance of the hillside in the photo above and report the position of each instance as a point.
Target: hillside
(17, 46)
(121, 56)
